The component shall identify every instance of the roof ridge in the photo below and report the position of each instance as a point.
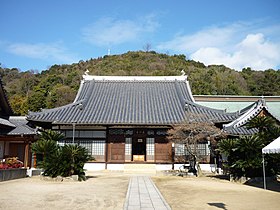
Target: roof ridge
(135, 78)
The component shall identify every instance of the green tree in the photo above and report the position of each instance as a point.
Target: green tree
(60, 95)
(244, 154)
(19, 104)
(60, 161)
(46, 146)
(73, 160)
(36, 101)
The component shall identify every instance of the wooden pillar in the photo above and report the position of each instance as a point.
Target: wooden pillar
(173, 154)
(34, 160)
(4, 150)
(106, 147)
(26, 154)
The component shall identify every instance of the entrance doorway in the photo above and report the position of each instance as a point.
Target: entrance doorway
(139, 149)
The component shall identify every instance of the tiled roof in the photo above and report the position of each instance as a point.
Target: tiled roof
(196, 112)
(6, 122)
(238, 126)
(16, 125)
(241, 131)
(248, 113)
(130, 100)
(22, 127)
(122, 102)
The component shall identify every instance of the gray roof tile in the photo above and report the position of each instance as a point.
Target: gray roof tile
(241, 131)
(238, 126)
(6, 122)
(22, 127)
(131, 101)
(196, 112)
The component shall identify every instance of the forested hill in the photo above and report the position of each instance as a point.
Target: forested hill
(59, 84)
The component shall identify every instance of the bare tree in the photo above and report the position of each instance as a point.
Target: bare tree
(147, 47)
(191, 134)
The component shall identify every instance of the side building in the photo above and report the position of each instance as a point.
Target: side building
(251, 106)
(16, 135)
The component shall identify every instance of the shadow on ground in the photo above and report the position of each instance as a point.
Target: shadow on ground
(219, 176)
(218, 205)
(91, 177)
(273, 185)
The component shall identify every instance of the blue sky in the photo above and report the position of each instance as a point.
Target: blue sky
(236, 33)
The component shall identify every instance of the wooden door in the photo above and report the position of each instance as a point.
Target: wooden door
(17, 150)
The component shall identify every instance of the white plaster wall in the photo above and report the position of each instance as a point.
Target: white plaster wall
(94, 166)
(207, 167)
(163, 167)
(101, 166)
(204, 167)
(159, 167)
(177, 166)
(115, 167)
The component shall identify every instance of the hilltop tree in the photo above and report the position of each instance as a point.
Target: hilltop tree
(147, 47)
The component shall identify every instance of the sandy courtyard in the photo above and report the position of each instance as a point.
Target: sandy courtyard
(99, 192)
(107, 191)
(212, 193)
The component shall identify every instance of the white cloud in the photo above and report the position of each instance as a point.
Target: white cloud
(107, 31)
(236, 46)
(254, 51)
(42, 51)
(208, 37)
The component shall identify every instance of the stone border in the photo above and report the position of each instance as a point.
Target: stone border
(73, 178)
(13, 173)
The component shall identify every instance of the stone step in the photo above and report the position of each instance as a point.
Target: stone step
(140, 168)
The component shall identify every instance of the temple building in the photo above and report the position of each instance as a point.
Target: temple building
(16, 135)
(125, 119)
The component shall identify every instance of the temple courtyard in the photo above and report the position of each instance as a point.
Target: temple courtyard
(108, 190)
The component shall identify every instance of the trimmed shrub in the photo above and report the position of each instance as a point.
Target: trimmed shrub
(58, 160)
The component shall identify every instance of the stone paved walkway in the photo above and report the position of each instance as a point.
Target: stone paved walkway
(143, 194)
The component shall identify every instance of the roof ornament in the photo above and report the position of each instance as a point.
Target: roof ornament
(263, 101)
(183, 73)
(80, 106)
(86, 72)
(85, 76)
